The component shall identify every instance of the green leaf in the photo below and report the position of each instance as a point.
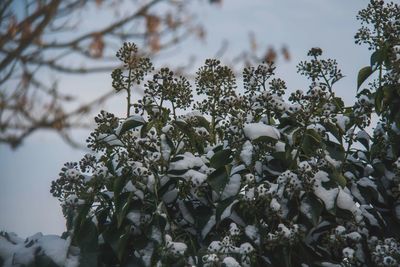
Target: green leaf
(316, 207)
(203, 122)
(221, 158)
(146, 128)
(125, 208)
(336, 151)
(131, 123)
(87, 239)
(339, 178)
(378, 100)
(221, 207)
(198, 145)
(122, 243)
(281, 256)
(119, 184)
(311, 142)
(187, 130)
(333, 129)
(363, 74)
(183, 127)
(297, 136)
(43, 261)
(376, 58)
(218, 179)
(265, 139)
(116, 239)
(338, 102)
(379, 57)
(363, 138)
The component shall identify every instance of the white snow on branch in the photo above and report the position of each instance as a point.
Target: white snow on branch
(256, 130)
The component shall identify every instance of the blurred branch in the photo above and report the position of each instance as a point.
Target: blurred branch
(55, 37)
(44, 36)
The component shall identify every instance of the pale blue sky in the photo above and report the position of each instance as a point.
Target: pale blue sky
(26, 206)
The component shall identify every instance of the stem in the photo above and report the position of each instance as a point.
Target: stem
(304, 129)
(348, 148)
(268, 110)
(294, 162)
(128, 98)
(380, 47)
(173, 110)
(213, 137)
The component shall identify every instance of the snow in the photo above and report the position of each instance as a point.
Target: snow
(316, 127)
(72, 174)
(129, 187)
(363, 135)
(201, 130)
(237, 169)
(339, 230)
(55, 248)
(156, 235)
(110, 139)
(247, 152)
(252, 232)
(327, 196)
(170, 196)
(245, 248)
(306, 209)
(188, 161)
(176, 248)
(274, 205)
(18, 252)
(133, 117)
(147, 253)
(333, 162)
(349, 175)
(207, 228)
(371, 218)
(232, 188)
(329, 264)
(284, 230)
(258, 166)
(167, 128)
(73, 200)
(249, 194)
(233, 229)
(280, 146)
(227, 212)
(196, 177)
(214, 246)
(348, 252)
(355, 236)
(342, 121)
(165, 149)
(192, 114)
(366, 182)
(304, 166)
(134, 216)
(230, 262)
(256, 130)
(345, 201)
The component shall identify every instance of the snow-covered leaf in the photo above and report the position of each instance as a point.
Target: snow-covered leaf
(130, 123)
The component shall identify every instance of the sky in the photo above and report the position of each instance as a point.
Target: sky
(27, 207)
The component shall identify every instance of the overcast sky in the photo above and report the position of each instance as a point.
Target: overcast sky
(26, 206)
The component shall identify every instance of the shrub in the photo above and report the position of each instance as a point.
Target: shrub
(245, 179)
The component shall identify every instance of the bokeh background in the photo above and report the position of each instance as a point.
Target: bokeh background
(229, 29)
